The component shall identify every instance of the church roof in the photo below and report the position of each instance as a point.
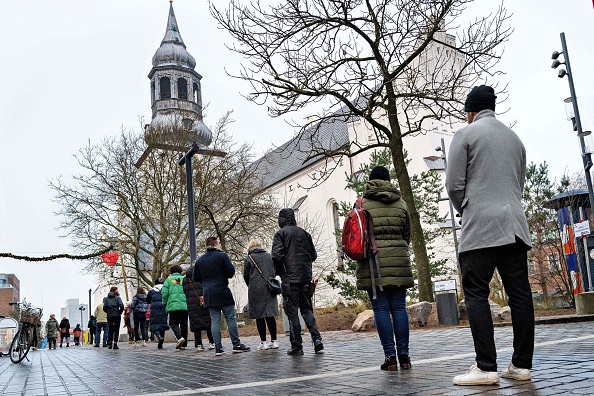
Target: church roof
(291, 157)
(173, 50)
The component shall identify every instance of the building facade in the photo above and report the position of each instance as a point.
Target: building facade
(9, 292)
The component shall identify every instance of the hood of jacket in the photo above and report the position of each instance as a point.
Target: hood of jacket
(286, 217)
(190, 272)
(111, 295)
(158, 288)
(381, 191)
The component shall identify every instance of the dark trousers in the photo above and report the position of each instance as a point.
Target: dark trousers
(477, 270)
(297, 296)
(178, 321)
(198, 337)
(113, 324)
(140, 326)
(92, 331)
(261, 326)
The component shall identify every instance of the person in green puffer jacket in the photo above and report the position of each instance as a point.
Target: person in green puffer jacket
(174, 300)
(391, 225)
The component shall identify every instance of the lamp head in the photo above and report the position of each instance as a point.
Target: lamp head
(555, 54)
(555, 64)
(561, 73)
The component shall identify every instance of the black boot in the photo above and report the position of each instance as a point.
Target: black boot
(390, 364)
(115, 345)
(404, 362)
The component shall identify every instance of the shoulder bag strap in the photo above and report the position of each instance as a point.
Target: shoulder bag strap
(258, 268)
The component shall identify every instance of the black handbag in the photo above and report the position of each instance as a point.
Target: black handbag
(274, 285)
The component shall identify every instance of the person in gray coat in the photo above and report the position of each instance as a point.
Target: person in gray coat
(262, 305)
(485, 181)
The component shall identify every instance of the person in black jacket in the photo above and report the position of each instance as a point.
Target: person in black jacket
(92, 325)
(198, 314)
(214, 269)
(139, 308)
(293, 252)
(65, 331)
(113, 307)
(158, 313)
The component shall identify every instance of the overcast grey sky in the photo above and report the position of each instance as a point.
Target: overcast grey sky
(74, 71)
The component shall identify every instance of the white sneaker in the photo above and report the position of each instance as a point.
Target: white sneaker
(263, 346)
(179, 343)
(516, 373)
(200, 348)
(274, 345)
(476, 376)
(211, 346)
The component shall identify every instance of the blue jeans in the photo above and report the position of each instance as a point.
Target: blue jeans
(391, 320)
(215, 325)
(105, 327)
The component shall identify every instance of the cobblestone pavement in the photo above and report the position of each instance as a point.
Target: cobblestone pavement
(349, 365)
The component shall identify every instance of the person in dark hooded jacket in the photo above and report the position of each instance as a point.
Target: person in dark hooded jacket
(158, 313)
(198, 314)
(139, 308)
(391, 226)
(113, 307)
(293, 253)
(65, 331)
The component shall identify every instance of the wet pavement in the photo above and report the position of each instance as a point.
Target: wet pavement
(349, 365)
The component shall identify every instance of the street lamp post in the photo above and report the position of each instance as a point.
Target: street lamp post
(81, 309)
(573, 114)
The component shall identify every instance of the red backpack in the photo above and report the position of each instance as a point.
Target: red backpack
(358, 240)
(356, 231)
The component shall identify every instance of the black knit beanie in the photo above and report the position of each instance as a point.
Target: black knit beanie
(480, 98)
(379, 172)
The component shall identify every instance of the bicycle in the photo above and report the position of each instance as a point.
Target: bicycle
(24, 338)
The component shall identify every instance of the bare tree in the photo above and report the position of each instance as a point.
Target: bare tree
(143, 211)
(388, 63)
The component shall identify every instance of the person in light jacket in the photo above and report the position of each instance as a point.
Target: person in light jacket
(485, 181)
(52, 330)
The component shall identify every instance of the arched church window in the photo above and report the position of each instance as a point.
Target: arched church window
(165, 88)
(182, 88)
(152, 92)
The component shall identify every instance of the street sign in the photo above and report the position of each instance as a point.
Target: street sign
(581, 229)
(449, 284)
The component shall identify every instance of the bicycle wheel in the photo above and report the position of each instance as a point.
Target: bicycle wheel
(20, 345)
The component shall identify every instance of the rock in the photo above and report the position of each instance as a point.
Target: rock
(240, 323)
(463, 314)
(433, 319)
(494, 309)
(505, 314)
(364, 321)
(418, 314)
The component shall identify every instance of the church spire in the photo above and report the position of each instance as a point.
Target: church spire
(176, 93)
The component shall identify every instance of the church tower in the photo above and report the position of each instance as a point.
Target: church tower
(176, 96)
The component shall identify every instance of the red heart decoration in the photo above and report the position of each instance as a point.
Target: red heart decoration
(110, 258)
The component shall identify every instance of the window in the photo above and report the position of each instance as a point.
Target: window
(531, 267)
(554, 264)
(196, 92)
(182, 88)
(152, 91)
(164, 88)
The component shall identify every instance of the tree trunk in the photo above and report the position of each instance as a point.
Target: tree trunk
(417, 237)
